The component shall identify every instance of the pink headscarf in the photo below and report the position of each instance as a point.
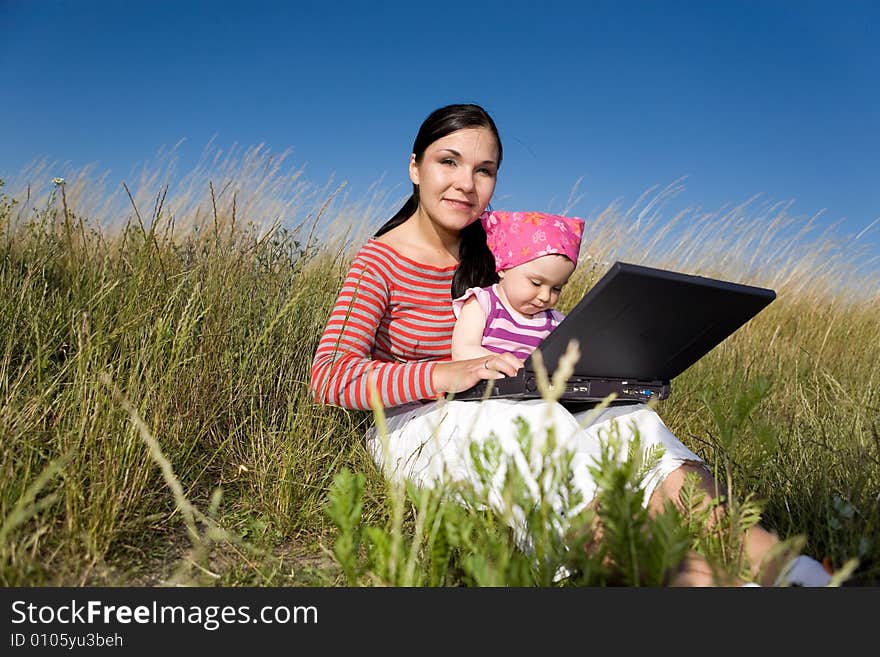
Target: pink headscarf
(518, 237)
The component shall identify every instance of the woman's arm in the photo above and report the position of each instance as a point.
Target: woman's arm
(343, 370)
(343, 367)
(467, 336)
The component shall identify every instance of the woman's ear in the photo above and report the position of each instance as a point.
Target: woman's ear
(413, 169)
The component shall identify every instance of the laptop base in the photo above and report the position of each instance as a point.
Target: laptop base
(577, 389)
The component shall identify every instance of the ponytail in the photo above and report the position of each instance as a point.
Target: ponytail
(477, 264)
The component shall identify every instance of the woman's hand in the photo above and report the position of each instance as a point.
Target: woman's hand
(459, 375)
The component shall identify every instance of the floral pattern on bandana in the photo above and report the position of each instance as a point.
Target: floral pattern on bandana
(518, 237)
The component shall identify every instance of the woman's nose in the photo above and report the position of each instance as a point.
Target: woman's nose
(465, 179)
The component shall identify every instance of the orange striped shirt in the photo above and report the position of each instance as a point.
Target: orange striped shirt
(392, 322)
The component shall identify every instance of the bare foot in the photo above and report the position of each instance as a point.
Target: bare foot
(694, 570)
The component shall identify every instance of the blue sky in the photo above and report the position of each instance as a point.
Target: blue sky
(778, 99)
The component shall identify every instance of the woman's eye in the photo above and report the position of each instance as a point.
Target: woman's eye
(447, 161)
(557, 290)
(486, 172)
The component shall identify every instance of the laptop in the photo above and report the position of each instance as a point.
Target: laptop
(637, 329)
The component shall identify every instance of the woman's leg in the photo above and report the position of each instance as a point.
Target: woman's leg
(759, 544)
(665, 483)
(769, 563)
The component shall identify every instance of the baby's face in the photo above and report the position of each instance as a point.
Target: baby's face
(534, 286)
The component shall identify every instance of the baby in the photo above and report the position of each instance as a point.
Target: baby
(535, 255)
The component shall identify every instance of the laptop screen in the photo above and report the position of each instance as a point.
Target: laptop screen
(645, 323)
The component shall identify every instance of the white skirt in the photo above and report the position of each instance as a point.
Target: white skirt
(430, 443)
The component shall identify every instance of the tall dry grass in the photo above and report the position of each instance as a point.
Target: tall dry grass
(191, 310)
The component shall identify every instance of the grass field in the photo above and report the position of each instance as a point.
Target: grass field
(157, 428)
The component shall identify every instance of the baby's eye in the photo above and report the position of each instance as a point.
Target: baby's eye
(536, 283)
(557, 289)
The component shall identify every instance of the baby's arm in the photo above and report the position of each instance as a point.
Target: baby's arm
(467, 335)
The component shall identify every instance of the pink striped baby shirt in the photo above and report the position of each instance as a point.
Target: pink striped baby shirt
(506, 332)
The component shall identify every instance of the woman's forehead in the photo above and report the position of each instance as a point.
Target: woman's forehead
(478, 142)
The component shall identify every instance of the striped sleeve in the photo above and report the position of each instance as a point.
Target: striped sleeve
(343, 366)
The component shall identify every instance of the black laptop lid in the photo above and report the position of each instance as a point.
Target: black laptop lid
(644, 323)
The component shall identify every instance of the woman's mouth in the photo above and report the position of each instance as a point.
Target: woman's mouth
(463, 206)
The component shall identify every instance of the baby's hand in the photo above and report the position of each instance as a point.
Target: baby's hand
(510, 359)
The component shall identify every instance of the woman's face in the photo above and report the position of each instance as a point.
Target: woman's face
(456, 177)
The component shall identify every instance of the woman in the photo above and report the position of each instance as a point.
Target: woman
(390, 332)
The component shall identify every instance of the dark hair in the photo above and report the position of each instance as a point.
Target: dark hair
(477, 265)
